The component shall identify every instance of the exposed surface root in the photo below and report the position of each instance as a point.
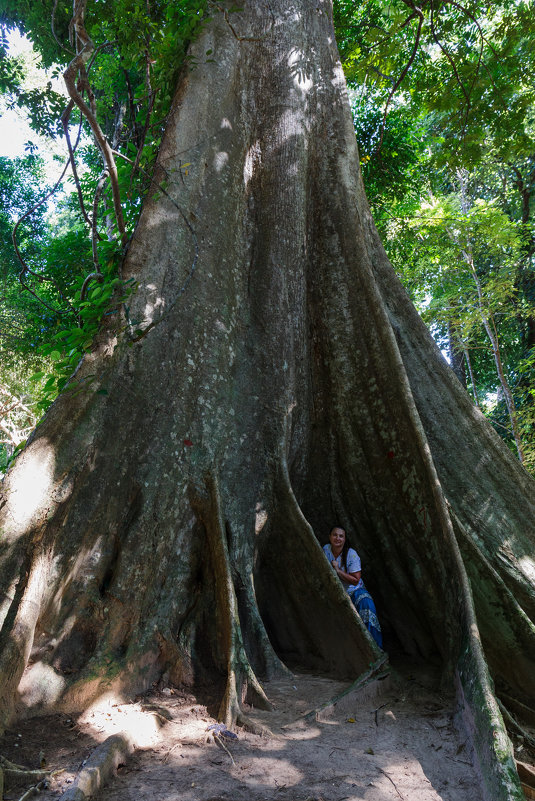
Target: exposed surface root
(100, 767)
(7, 765)
(18, 773)
(219, 742)
(12, 774)
(31, 791)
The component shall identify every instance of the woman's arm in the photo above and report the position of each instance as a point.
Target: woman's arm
(349, 578)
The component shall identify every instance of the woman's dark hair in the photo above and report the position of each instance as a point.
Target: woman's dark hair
(347, 545)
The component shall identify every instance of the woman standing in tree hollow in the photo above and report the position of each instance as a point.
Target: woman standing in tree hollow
(346, 562)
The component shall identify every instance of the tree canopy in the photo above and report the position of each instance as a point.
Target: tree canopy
(445, 121)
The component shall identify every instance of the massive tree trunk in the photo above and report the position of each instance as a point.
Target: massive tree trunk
(268, 379)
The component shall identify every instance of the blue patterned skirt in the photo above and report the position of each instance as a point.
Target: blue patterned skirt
(365, 606)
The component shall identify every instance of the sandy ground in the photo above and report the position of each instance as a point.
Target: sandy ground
(399, 740)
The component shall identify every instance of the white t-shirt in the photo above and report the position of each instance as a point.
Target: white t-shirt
(353, 565)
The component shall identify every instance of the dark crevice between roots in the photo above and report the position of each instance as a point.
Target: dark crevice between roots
(305, 609)
(258, 648)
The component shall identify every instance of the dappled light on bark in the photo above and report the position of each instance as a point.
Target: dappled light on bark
(32, 484)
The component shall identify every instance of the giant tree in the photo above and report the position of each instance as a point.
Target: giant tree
(268, 377)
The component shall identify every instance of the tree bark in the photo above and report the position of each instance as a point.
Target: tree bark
(268, 379)
(457, 354)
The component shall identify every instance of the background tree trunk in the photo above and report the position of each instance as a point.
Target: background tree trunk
(167, 516)
(457, 354)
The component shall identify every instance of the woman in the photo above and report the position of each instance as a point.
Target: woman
(346, 562)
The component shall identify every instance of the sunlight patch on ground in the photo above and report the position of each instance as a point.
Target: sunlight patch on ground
(305, 730)
(108, 716)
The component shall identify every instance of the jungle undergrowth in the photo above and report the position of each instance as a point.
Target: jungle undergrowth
(128, 57)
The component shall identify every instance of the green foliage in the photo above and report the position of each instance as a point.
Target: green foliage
(444, 114)
(469, 70)
(20, 185)
(139, 50)
(391, 168)
(452, 243)
(11, 68)
(68, 345)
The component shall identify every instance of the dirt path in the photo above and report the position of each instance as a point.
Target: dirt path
(397, 742)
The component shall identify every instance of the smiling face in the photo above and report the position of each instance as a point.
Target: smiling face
(337, 537)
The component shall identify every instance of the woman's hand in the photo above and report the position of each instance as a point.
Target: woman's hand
(348, 578)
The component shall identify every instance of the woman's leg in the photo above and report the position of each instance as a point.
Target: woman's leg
(366, 608)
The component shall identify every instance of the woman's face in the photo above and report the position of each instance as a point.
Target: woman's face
(337, 538)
